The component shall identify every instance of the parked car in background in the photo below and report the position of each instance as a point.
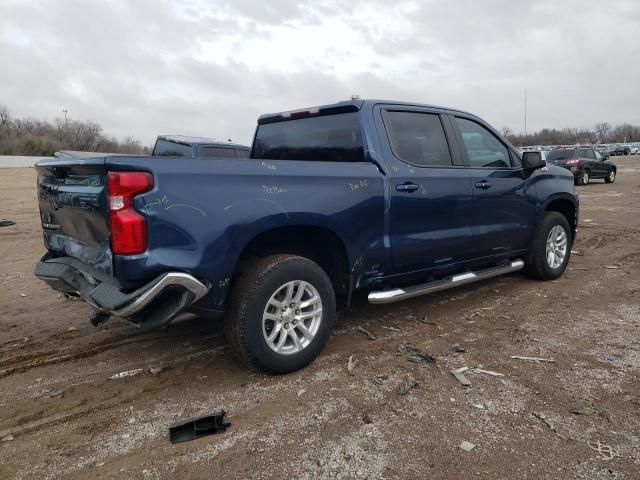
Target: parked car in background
(198, 147)
(585, 163)
(621, 149)
(633, 149)
(605, 150)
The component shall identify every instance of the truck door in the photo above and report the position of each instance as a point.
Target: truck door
(430, 190)
(503, 212)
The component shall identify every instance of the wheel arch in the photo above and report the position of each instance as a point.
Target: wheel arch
(319, 244)
(567, 207)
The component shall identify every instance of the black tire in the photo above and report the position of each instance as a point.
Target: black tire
(584, 177)
(611, 177)
(537, 266)
(243, 324)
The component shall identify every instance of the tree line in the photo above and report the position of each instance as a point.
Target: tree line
(30, 136)
(602, 132)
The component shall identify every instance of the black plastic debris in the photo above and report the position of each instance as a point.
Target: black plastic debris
(197, 427)
(6, 223)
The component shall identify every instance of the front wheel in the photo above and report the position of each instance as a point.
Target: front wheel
(551, 248)
(281, 314)
(611, 177)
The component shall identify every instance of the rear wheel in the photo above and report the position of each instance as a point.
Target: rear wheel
(584, 177)
(281, 314)
(551, 248)
(611, 177)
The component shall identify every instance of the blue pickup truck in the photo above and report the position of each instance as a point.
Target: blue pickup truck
(397, 199)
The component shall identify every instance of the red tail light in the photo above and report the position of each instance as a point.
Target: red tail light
(128, 227)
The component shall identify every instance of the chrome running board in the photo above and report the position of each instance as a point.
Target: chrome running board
(398, 294)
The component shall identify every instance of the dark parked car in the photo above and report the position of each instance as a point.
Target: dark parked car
(605, 150)
(392, 198)
(620, 149)
(585, 163)
(197, 147)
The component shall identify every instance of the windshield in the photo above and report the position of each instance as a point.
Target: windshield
(563, 154)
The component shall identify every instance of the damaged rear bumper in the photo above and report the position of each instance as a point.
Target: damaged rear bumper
(153, 305)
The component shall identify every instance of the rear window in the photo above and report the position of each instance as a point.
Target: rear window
(217, 152)
(561, 154)
(242, 153)
(330, 138)
(171, 149)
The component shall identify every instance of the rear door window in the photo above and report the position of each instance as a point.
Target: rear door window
(483, 147)
(417, 138)
(328, 138)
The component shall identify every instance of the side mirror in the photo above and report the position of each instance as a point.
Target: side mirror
(532, 160)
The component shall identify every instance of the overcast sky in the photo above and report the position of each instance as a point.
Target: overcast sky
(210, 67)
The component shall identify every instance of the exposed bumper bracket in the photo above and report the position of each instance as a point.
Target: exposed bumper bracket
(159, 301)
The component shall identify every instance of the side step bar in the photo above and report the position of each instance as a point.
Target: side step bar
(398, 294)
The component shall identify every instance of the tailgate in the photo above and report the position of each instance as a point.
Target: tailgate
(73, 209)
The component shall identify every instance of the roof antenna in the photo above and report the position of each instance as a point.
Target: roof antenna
(355, 97)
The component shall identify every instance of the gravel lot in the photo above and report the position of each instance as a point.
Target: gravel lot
(61, 416)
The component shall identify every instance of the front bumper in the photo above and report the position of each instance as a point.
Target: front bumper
(154, 304)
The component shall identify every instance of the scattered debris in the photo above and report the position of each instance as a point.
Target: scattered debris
(128, 373)
(605, 451)
(479, 406)
(533, 359)
(370, 335)
(426, 321)
(546, 421)
(7, 438)
(487, 372)
(23, 294)
(155, 370)
(414, 352)
(394, 329)
(71, 329)
(366, 418)
(580, 411)
(459, 374)
(301, 392)
(467, 446)
(456, 347)
(379, 379)
(612, 267)
(6, 223)
(197, 427)
(351, 365)
(406, 385)
(54, 392)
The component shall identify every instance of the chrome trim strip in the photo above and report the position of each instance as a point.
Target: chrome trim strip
(147, 295)
(398, 294)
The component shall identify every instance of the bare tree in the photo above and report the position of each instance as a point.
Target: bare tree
(4, 115)
(602, 130)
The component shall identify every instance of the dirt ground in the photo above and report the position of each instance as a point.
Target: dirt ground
(61, 416)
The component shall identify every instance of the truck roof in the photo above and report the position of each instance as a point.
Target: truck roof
(199, 141)
(343, 107)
